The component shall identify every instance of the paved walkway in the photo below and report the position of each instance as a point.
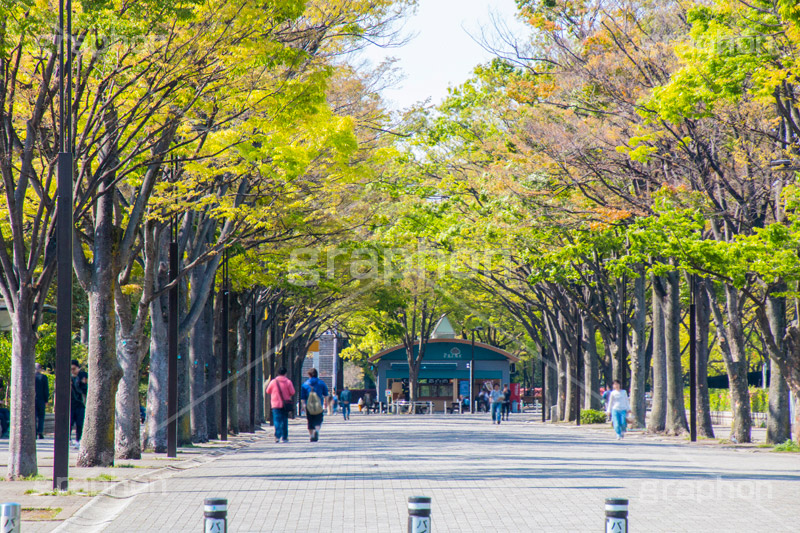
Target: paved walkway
(520, 476)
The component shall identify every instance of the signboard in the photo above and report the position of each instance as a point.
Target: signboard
(515, 392)
(463, 388)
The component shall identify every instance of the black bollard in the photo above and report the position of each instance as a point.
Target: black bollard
(419, 514)
(215, 511)
(616, 515)
(10, 518)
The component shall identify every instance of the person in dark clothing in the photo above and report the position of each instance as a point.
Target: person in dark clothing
(80, 387)
(5, 421)
(506, 402)
(344, 401)
(42, 397)
(314, 407)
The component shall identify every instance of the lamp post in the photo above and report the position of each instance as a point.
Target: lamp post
(692, 361)
(223, 371)
(472, 372)
(64, 254)
(172, 342)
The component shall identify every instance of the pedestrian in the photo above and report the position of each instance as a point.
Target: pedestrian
(335, 401)
(42, 396)
(80, 388)
(617, 409)
(506, 402)
(367, 402)
(361, 404)
(606, 394)
(313, 394)
(344, 401)
(497, 403)
(281, 390)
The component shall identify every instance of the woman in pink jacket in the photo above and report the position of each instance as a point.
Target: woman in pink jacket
(280, 392)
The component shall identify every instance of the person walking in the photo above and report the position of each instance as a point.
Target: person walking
(313, 394)
(344, 402)
(496, 397)
(80, 388)
(281, 390)
(506, 402)
(617, 409)
(42, 396)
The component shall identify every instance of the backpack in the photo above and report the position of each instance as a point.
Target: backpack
(313, 404)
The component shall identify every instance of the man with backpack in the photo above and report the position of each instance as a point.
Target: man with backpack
(312, 395)
(280, 391)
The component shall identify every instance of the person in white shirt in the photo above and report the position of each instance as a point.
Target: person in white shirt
(618, 409)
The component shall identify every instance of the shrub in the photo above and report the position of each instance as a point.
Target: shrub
(788, 446)
(592, 416)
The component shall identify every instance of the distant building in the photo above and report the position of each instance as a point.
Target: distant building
(323, 354)
(445, 370)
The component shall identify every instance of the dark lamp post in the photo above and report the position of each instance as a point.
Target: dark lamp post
(472, 372)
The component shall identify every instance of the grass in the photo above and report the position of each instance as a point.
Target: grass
(35, 477)
(788, 446)
(40, 513)
(126, 465)
(30, 491)
(103, 477)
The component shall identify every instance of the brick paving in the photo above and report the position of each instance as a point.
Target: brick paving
(519, 476)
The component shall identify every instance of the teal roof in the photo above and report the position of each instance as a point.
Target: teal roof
(448, 350)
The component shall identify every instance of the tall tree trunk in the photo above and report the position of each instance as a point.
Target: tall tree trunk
(736, 365)
(703, 313)
(97, 444)
(591, 372)
(156, 422)
(676, 409)
(550, 379)
(212, 373)
(22, 443)
(658, 412)
(638, 350)
(778, 422)
(233, 365)
(200, 350)
(242, 349)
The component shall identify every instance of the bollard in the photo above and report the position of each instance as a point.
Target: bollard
(419, 514)
(215, 511)
(10, 518)
(553, 414)
(616, 515)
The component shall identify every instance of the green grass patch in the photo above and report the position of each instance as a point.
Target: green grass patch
(35, 477)
(102, 477)
(788, 446)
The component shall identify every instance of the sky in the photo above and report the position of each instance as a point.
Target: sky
(442, 53)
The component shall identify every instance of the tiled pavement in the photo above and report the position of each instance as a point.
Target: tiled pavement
(520, 476)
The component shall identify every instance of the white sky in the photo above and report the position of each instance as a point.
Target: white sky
(442, 54)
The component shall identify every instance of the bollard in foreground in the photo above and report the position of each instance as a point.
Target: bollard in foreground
(616, 515)
(215, 511)
(9, 518)
(419, 514)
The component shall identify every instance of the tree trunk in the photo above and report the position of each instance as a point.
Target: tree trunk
(736, 365)
(156, 423)
(22, 443)
(233, 366)
(778, 422)
(550, 380)
(243, 377)
(638, 350)
(97, 444)
(658, 413)
(676, 409)
(128, 419)
(703, 313)
(200, 350)
(591, 376)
